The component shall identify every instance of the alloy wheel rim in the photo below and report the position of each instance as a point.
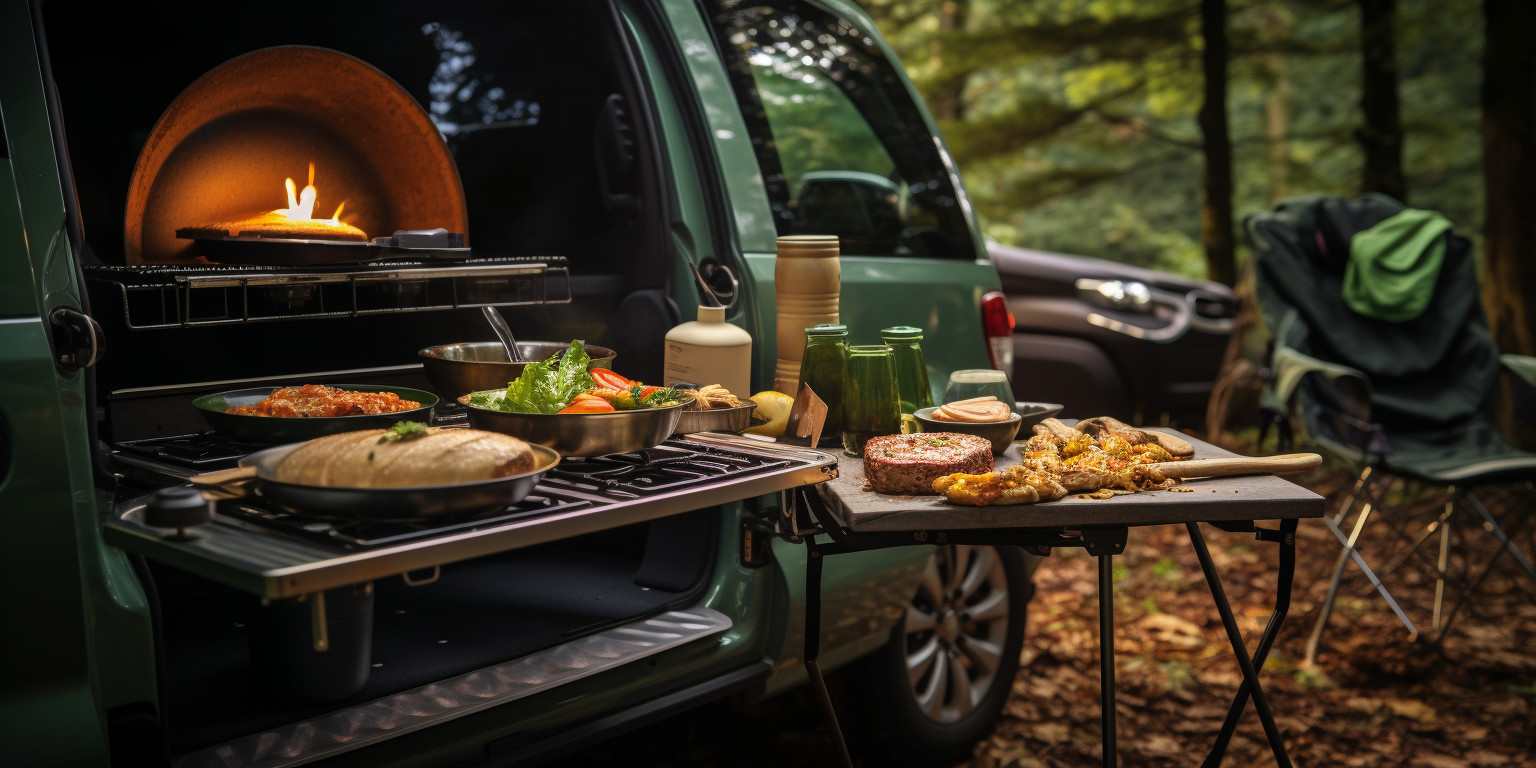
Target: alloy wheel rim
(956, 628)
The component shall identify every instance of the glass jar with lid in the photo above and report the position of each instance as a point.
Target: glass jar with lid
(823, 366)
(911, 370)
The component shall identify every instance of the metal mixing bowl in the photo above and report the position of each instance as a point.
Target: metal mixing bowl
(716, 419)
(581, 434)
(458, 369)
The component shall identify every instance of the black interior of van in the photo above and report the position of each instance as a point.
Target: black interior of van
(525, 97)
(530, 99)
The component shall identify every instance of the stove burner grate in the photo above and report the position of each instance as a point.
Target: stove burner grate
(203, 450)
(671, 465)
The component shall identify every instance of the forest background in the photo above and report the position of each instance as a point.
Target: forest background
(1100, 127)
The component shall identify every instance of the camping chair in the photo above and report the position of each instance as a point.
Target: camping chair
(1406, 397)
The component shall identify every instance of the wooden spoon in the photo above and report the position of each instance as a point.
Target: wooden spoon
(1239, 465)
(223, 476)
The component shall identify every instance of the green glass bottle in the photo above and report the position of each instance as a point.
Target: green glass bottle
(823, 367)
(870, 405)
(911, 369)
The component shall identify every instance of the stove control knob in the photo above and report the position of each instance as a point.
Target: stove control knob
(180, 508)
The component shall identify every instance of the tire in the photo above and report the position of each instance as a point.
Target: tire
(962, 660)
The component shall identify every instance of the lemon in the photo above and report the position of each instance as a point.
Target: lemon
(773, 406)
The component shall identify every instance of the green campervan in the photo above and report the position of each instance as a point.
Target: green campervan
(608, 168)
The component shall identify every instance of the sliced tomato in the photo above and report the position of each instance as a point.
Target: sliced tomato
(647, 391)
(607, 379)
(588, 405)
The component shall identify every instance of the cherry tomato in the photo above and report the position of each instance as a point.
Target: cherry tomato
(609, 380)
(588, 405)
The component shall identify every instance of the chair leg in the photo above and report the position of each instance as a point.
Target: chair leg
(1498, 531)
(1416, 542)
(1445, 552)
(1482, 576)
(1354, 554)
(1322, 616)
(1338, 569)
(1362, 483)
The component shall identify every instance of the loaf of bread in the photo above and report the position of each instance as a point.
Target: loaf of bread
(908, 464)
(374, 458)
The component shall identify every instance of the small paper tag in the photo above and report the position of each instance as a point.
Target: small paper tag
(806, 419)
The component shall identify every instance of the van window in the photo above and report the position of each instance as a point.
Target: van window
(843, 148)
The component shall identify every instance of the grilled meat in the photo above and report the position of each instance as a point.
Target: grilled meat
(908, 464)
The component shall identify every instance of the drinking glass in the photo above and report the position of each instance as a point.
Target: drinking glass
(979, 382)
(911, 370)
(870, 404)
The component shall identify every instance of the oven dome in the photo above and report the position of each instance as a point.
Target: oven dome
(224, 147)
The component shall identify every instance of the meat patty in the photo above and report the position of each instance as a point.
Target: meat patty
(908, 464)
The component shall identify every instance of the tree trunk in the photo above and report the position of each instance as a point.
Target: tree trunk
(1509, 161)
(949, 98)
(1277, 108)
(1381, 136)
(1216, 207)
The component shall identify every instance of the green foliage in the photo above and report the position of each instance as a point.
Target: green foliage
(1076, 129)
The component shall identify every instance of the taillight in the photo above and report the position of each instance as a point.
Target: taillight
(997, 324)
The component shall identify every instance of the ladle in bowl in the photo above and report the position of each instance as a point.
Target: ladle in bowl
(504, 333)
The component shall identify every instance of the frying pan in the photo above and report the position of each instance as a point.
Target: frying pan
(279, 429)
(381, 503)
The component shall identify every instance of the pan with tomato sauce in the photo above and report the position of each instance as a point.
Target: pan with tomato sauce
(249, 414)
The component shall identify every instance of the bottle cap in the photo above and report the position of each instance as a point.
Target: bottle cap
(807, 246)
(711, 314)
(901, 333)
(827, 329)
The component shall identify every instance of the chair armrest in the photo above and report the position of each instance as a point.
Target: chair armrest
(1523, 366)
(1350, 385)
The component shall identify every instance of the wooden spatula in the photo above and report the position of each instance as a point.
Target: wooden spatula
(1239, 465)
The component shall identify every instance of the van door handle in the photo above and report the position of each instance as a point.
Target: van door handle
(78, 341)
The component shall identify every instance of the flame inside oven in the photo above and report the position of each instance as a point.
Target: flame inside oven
(297, 220)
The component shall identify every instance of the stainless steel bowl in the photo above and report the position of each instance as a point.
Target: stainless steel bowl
(458, 369)
(716, 420)
(999, 433)
(581, 434)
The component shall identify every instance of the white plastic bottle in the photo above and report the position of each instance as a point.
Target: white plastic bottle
(710, 351)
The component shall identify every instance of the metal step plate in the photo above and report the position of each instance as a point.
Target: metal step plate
(355, 727)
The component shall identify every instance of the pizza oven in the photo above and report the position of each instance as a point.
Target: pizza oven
(289, 143)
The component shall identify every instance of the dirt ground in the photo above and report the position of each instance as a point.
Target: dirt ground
(1375, 697)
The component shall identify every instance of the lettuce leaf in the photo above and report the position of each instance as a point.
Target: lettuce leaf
(549, 385)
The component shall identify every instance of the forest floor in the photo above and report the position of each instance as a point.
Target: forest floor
(1374, 697)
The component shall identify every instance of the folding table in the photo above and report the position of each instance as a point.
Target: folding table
(841, 516)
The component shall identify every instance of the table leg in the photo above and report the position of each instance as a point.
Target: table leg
(813, 560)
(1107, 658)
(1287, 543)
(1235, 636)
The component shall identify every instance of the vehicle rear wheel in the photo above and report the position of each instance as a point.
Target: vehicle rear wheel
(939, 684)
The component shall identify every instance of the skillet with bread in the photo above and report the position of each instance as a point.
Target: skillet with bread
(371, 475)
